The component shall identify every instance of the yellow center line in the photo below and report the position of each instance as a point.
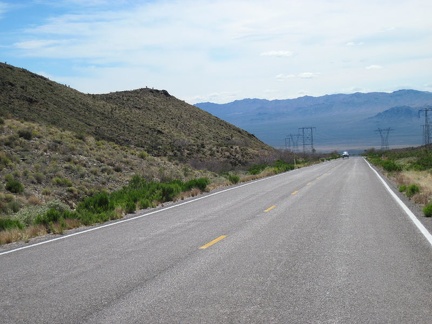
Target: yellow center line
(270, 208)
(212, 242)
(294, 193)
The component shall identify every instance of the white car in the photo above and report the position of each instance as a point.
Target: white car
(345, 155)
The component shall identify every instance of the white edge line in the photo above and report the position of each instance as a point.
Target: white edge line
(411, 215)
(134, 217)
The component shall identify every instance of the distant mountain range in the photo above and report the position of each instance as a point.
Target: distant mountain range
(337, 122)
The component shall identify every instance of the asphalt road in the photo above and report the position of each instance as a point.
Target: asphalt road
(323, 244)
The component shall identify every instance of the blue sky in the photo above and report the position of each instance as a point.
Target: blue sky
(222, 50)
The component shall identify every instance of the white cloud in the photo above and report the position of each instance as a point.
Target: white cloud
(354, 43)
(208, 49)
(278, 53)
(303, 75)
(374, 67)
(283, 77)
(4, 8)
(308, 75)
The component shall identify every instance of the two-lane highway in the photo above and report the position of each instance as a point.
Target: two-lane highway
(323, 244)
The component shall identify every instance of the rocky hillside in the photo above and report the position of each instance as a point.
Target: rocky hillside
(149, 119)
(57, 144)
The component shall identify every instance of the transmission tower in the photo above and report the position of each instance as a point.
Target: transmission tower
(426, 126)
(384, 133)
(288, 143)
(295, 141)
(307, 134)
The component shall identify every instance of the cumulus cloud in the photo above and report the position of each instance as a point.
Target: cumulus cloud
(197, 48)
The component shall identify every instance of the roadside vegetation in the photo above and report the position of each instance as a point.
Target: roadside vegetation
(69, 159)
(411, 170)
(54, 180)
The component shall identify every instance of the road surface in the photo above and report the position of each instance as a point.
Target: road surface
(322, 244)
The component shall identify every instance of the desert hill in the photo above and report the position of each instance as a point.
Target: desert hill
(146, 118)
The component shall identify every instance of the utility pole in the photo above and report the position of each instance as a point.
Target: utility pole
(308, 139)
(384, 133)
(426, 126)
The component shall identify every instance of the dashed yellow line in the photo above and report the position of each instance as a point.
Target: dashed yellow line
(205, 246)
(294, 193)
(270, 208)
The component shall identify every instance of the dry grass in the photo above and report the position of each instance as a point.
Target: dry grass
(421, 178)
(15, 235)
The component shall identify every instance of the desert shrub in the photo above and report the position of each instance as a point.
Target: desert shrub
(200, 183)
(412, 189)
(281, 166)
(52, 215)
(257, 168)
(39, 177)
(427, 210)
(98, 203)
(424, 162)
(14, 206)
(144, 203)
(7, 224)
(391, 166)
(25, 133)
(14, 186)
(4, 160)
(234, 178)
(62, 182)
(56, 212)
(143, 155)
(170, 191)
(130, 206)
(402, 188)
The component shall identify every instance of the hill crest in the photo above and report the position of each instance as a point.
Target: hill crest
(147, 118)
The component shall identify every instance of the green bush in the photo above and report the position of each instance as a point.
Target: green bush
(62, 182)
(391, 166)
(97, 203)
(402, 188)
(200, 183)
(130, 206)
(427, 210)
(233, 178)
(14, 186)
(412, 190)
(7, 224)
(170, 191)
(257, 169)
(281, 166)
(52, 215)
